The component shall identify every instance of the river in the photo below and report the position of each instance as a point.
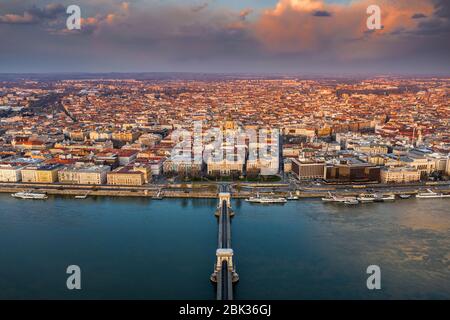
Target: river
(136, 248)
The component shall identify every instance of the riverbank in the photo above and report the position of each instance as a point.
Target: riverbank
(199, 191)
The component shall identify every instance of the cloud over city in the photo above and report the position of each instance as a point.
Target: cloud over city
(210, 36)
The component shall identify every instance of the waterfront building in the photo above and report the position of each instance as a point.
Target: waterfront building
(126, 176)
(183, 167)
(352, 169)
(425, 165)
(10, 172)
(81, 173)
(263, 159)
(308, 169)
(400, 175)
(229, 165)
(46, 173)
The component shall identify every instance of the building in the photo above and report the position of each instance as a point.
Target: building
(352, 170)
(155, 163)
(447, 170)
(10, 172)
(41, 173)
(126, 176)
(125, 136)
(308, 170)
(100, 135)
(287, 165)
(232, 165)
(299, 131)
(263, 160)
(10, 169)
(26, 143)
(182, 166)
(400, 175)
(370, 149)
(425, 165)
(81, 173)
(127, 156)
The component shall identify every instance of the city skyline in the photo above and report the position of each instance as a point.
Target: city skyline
(284, 36)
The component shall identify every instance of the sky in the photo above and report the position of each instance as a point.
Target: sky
(226, 36)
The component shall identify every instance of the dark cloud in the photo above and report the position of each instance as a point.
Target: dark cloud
(49, 12)
(321, 13)
(442, 8)
(35, 15)
(438, 26)
(418, 16)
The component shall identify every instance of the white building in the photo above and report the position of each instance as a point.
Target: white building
(10, 173)
(400, 175)
(84, 174)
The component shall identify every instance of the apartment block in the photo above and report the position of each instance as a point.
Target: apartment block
(84, 174)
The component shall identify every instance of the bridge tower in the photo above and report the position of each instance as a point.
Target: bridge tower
(224, 255)
(224, 196)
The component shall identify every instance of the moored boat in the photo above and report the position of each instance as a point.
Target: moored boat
(266, 200)
(384, 198)
(367, 197)
(432, 195)
(333, 198)
(30, 195)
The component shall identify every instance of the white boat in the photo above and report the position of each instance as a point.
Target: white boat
(388, 198)
(367, 197)
(432, 195)
(405, 196)
(383, 198)
(333, 198)
(30, 195)
(351, 202)
(266, 200)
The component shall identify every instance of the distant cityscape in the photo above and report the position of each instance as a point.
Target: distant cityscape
(120, 132)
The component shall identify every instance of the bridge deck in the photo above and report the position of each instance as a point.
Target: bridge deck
(224, 277)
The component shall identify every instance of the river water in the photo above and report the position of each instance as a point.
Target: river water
(131, 248)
